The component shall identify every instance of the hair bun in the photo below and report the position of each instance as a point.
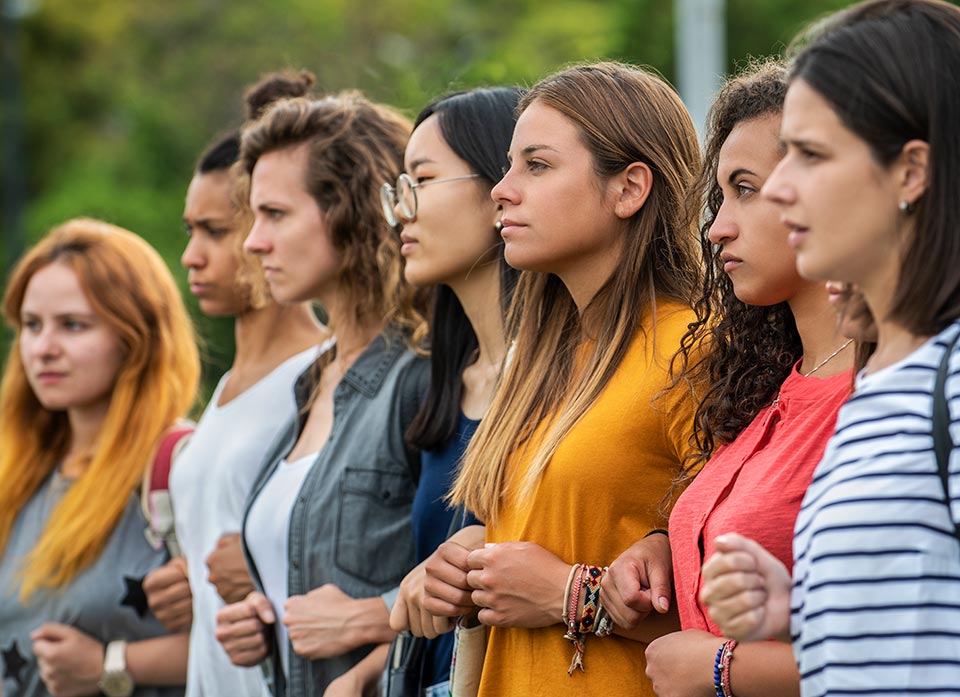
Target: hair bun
(276, 86)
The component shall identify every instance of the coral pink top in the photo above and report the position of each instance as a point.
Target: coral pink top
(754, 485)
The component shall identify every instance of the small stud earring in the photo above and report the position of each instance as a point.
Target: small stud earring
(498, 226)
(906, 207)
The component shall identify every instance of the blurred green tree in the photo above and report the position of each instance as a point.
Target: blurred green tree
(121, 96)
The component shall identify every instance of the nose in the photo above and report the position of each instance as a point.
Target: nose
(724, 227)
(399, 213)
(41, 344)
(778, 188)
(193, 256)
(504, 191)
(258, 241)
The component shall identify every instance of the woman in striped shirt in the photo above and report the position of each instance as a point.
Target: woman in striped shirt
(867, 188)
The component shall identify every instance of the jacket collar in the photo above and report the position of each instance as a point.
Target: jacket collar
(367, 373)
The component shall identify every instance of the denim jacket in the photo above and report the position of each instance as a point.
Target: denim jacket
(351, 523)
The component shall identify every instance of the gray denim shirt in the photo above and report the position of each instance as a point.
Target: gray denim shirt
(351, 524)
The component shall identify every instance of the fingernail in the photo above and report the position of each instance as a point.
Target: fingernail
(663, 603)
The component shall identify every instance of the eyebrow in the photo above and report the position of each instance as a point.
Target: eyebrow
(205, 222)
(739, 172)
(268, 206)
(25, 314)
(530, 149)
(800, 142)
(420, 161)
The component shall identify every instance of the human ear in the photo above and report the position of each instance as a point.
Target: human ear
(631, 189)
(915, 171)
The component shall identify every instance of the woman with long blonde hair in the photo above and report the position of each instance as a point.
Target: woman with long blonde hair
(570, 463)
(104, 363)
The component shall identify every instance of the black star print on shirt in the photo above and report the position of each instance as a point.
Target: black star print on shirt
(13, 664)
(135, 598)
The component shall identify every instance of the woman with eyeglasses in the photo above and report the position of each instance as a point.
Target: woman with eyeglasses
(868, 190)
(450, 230)
(327, 527)
(581, 441)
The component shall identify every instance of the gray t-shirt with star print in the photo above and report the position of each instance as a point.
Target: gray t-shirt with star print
(105, 601)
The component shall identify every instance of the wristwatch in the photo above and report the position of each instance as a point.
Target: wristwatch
(115, 681)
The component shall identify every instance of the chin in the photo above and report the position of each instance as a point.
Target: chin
(216, 309)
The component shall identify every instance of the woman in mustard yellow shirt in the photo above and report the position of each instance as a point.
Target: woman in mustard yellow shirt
(583, 438)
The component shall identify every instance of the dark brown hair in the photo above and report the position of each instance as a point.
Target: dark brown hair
(889, 68)
(750, 350)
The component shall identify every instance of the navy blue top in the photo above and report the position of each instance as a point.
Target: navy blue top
(431, 522)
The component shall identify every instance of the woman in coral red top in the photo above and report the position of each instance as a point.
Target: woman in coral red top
(776, 372)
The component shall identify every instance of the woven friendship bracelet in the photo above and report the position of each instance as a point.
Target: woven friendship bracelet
(591, 598)
(579, 622)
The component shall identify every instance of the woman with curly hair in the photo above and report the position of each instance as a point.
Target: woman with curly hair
(775, 371)
(327, 527)
(213, 474)
(868, 188)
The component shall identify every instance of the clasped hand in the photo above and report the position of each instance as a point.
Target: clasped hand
(517, 584)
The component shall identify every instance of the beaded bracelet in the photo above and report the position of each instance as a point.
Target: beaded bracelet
(571, 634)
(721, 669)
(725, 675)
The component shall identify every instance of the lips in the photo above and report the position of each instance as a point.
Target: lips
(49, 377)
(199, 288)
(797, 233)
(729, 261)
(510, 226)
(408, 243)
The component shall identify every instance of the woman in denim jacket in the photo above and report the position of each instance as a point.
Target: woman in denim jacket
(327, 528)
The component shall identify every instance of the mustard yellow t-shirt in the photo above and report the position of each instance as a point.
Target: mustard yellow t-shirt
(599, 494)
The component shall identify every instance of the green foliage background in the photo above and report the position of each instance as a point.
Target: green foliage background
(120, 96)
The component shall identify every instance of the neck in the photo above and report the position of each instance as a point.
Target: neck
(352, 334)
(818, 327)
(894, 341)
(585, 275)
(85, 426)
(475, 293)
(262, 333)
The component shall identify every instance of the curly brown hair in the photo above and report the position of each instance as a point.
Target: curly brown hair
(750, 350)
(355, 145)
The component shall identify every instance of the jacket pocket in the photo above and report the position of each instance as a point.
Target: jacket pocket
(374, 532)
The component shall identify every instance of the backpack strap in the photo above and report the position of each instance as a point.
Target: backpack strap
(156, 499)
(942, 441)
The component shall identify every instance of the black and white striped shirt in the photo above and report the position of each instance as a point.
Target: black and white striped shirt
(876, 598)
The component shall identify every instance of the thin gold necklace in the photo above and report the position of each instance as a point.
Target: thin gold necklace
(776, 400)
(827, 359)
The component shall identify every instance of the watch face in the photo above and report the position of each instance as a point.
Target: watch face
(118, 684)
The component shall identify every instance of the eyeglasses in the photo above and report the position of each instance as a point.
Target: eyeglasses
(404, 194)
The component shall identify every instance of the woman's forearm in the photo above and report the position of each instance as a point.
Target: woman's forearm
(159, 661)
